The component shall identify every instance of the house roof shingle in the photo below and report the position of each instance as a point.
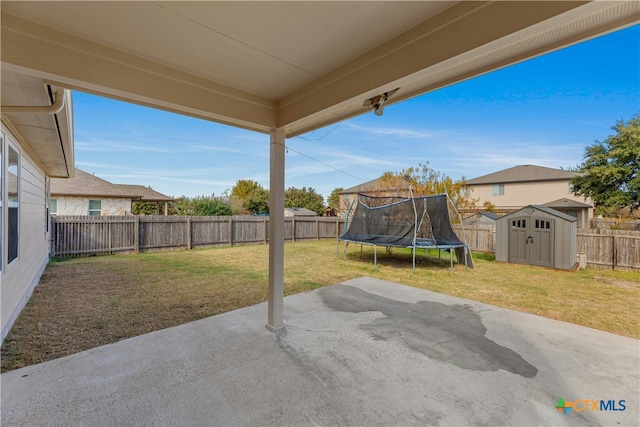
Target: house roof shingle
(523, 173)
(361, 188)
(147, 194)
(86, 184)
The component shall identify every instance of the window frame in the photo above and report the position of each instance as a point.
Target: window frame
(94, 211)
(8, 204)
(498, 190)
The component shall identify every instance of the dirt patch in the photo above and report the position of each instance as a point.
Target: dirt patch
(622, 283)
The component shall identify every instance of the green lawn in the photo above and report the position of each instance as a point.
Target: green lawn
(86, 302)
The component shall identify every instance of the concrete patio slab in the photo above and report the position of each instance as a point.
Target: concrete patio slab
(364, 352)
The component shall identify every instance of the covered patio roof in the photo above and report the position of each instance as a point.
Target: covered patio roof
(291, 65)
(285, 68)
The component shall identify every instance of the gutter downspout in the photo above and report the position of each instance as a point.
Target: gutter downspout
(48, 110)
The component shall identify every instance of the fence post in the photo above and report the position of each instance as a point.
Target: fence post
(136, 234)
(189, 244)
(230, 231)
(317, 229)
(266, 231)
(337, 227)
(615, 252)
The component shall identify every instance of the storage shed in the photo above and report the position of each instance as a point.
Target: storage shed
(537, 235)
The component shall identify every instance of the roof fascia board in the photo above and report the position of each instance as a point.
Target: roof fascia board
(430, 43)
(79, 64)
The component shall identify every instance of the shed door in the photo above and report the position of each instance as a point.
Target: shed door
(518, 237)
(541, 243)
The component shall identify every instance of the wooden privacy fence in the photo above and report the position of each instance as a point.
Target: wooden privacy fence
(86, 235)
(617, 249)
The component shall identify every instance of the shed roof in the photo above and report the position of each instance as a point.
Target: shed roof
(524, 173)
(490, 215)
(542, 208)
(565, 203)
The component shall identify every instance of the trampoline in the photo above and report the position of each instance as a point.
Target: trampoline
(400, 222)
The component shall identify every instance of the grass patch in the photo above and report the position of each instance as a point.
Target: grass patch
(87, 302)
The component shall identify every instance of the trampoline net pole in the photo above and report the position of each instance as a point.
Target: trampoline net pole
(415, 228)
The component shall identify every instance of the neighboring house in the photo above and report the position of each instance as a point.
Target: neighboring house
(511, 189)
(298, 212)
(86, 194)
(36, 143)
(349, 195)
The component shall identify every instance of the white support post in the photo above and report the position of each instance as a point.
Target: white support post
(276, 231)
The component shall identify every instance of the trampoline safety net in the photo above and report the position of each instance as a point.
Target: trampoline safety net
(421, 222)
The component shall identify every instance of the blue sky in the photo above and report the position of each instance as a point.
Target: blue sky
(544, 111)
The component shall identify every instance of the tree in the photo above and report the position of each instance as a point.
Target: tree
(334, 198)
(424, 181)
(144, 208)
(489, 207)
(153, 208)
(610, 170)
(203, 206)
(249, 197)
(304, 198)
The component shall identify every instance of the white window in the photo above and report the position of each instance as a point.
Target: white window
(95, 207)
(13, 202)
(570, 188)
(53, 206)
(498, 189)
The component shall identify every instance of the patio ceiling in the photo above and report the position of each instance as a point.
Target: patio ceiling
(295, 66)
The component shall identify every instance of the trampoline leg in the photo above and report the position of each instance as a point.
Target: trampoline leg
(451, 260)
(375, 257)
(413, 252)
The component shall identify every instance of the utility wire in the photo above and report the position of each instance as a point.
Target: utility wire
(325, 164)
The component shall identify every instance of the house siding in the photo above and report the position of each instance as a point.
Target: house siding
(71, 205)
(519, 194)
(19, 278)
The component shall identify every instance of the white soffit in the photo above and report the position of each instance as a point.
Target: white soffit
(264, 48)
(47, 138)
(294, 65)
